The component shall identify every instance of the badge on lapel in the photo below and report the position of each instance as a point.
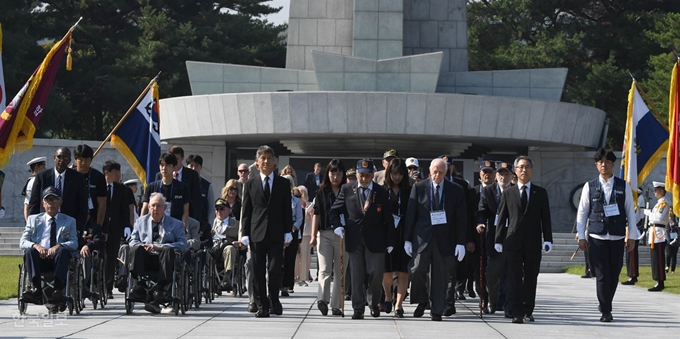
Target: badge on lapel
(379, 208)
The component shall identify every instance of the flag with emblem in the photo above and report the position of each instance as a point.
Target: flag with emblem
(673, 156)
(645, 141)
(19, 120)
(137, 135)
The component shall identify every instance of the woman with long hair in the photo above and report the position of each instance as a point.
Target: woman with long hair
(328, 243)
(399, 189)
(304, 255)
(289, 170)
(231, 192)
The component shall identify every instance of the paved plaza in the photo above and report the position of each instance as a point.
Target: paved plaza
(566, 308)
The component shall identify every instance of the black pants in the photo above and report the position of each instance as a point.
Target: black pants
(36, 266)
(606, 256)
(265, 253)
(633, 262)
(289, 255)
(671, 257)
(143, 263)
(657, 254)
(111, 258)
(523, 286)
(439, 266)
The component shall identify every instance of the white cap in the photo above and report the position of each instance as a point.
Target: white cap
(131, 182)
(659, 184)
(412, 162)
(36, 160)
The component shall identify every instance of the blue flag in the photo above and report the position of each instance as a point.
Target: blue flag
(138, 137)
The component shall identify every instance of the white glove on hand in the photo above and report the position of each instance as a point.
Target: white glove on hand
(460, 252)
(498, 248)
(390, 249)
(547, 244)
(245, 240)
(408, 248)
(340, 232)
(2, 212)
(646, 212)
(127, 232)
(287, 238)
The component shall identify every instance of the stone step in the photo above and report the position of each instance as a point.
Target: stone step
(16, 252)
(5, 246)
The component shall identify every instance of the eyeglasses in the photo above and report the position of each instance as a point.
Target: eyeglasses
(523, 168)
(243, 171)
(412, 168)
(63, 157)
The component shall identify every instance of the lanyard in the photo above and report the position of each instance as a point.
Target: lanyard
(389, 193)
(441, 198)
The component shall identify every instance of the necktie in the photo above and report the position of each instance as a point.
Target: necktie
(53, 233)
(524, 198)
(109, 189)
(437, 198)
(59, 183)
(175, 175)
(266, 188)
(156, 231)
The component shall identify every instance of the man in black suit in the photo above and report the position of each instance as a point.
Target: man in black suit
(495, 264)
(266, 225)
(190, 178)
(368, 230)
(525, 212)
(70, 184)
(435, 231)
(313, 180)
(117, 219)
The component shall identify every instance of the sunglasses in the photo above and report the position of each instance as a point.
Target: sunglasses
(243, 171)
(232, 188)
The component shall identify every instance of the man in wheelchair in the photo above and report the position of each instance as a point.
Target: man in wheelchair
(154, 240)
(225, 236)
(47, 240)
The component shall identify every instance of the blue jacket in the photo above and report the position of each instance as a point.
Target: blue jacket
(171, 232)
(35, 226)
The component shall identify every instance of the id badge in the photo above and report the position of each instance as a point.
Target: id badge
(495, 221)
(90, 205)
(396, 220)
(342, 219)
(611, 210)
(438, 217)
(168, 208)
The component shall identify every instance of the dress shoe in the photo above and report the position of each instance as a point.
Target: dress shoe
(277, 307)
(586, 276)
(375, 311)
(436, 317)
(460, 295)
(387, 307)
(420, 310)
(348, 297)
(323, 307)
(33, 297)
(358, 315)
(162, 297)
(450, 310)
(657, 288)
(152, 307)
(508, 314)
(517, 320)
(336, 311)
(57, 296)
(284, 292)
(492, 309)
(529, 317)
(630, 281)
(472, 294)
(486, 310)
(262, 313)
(606, 317)
(109, 295)
(252, 308)
(399, 313)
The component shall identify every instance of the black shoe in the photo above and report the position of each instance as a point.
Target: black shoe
(284, 292)
(252, 308)
(436, 317)
(606, 317)
(492, 309)
(460, 295)
(486, 310)
(399, 313)
(517, 320)
(323, 307)
(57, 296)
(109, 295)
(277, 307)
(348, 297)
(450, 310)
(152, 307)
(630, 281)
(33, 297)
(336, 311)
(657, 288)
(586, 276)
(375, 311)
(472, 294)
(262, 313)
(358, 315)
(162, 297)
(529, 317)
(508, 314)
(137, 294)
(387, 307)
(420, 310)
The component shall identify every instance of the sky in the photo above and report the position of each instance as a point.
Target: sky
(281, 16)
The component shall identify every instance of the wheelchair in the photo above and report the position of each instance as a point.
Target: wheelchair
(239, 282)
(177, 291)
(72, 287)
(97, 283)
(194, 288)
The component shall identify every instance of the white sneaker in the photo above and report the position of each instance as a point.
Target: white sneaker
(168, 310)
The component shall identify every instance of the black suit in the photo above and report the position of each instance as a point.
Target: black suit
(434, 245)
(367, 235)
(117, 218)
(74, 195)
(265, 223)
(193, 181)
(522, 239)
(310, 183)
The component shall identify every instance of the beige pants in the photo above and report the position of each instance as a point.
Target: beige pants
(329, 259)
(305, 258)
(229, 254)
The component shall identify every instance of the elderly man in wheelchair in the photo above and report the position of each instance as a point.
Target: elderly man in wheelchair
(225, 242)
(48, 240)
(155, 244)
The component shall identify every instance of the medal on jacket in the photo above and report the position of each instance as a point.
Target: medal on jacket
(367, 204)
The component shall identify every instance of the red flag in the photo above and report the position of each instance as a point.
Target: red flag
(673, 156)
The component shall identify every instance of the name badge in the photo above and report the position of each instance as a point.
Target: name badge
(495, 221)
(342, 219)
(90, 205)
(397, 219)
(168, 208)
(438, 217)
(611, 210)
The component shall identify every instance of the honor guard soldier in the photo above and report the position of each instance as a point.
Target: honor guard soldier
(632, 257)
(37, 165)
(659, 216)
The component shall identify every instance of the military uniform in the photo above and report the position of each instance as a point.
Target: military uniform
(656, 237)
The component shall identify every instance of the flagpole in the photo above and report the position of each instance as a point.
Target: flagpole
(134, 105)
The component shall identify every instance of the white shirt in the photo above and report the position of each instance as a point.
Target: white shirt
(29, 187)
(584, 211)
(45, 240)
(56, 177)
(271, 180)
(659, 215)
(528, 189)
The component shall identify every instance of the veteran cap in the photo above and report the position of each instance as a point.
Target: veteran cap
(502, 165)
(486, 165)
(390, 153)
(351, 172)
(410, 162)
(365, 166)
(51, 191)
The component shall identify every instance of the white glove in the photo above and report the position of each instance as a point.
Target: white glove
(408, 248)
(2, 212)
(549, 245)
(287, 238)
(245, 240)
(389, 249)
(127, 232)
(647, 212)
(460, 252)
(498, 248)
(340, 232)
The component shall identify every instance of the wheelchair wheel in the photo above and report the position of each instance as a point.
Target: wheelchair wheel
(77, 293)
(197, 283)
(129, 305)
(23, 283)
(185, 288)
(207, 280)
(101, 283)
